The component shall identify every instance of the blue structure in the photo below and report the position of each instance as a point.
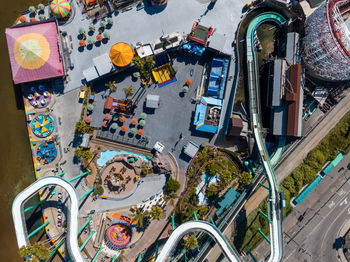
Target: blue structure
(217, 78)
(230, 197)
(208, 115)
(332, 165)
(194, 48)
(307, 190)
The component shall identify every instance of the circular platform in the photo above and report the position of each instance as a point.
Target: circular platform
(46, 152)
(118, 235)
(42, 125)
(38, 96)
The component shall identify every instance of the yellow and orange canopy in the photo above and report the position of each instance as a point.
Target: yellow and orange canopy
(121, 54)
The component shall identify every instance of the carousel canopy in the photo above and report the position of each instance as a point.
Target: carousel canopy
(121, 54)
(34, 52)
(60, 8)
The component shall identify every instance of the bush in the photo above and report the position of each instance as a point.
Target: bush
(172, 186)
(203, 210)
(98, 190)
(213, 168)
(156, 212)
(145, 171)
(81, 127)
(83, 153)
(190, 242)
(244, 180)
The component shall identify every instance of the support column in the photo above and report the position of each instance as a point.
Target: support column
(114, 258)
(87, 240)
(34, 205)
(212, 221)
(195, 215)
(86, 194)
(264, 236)
(264, 186)
(156, 253)
(264, 215)
(55, 249)
(250, 253)
(38, 229)
(173, 222)
(79, 176)
(85, 224)
(61, 174)
(97, 254)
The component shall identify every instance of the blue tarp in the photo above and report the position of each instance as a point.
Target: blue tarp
(229, 198)
(217, 78)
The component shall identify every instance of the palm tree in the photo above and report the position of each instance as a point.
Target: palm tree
(140, 217)
(139, 62)
(128, 91)
(112, 86)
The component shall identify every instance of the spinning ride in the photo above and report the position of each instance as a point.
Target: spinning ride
(118, 235)
(46, 152)
(43, 125)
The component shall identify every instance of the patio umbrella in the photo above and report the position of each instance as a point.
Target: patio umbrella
(110, 20)
(189, 81)
(134, 121)
(133, 131)
(122, 119)
(87, 119)
(143, 115)
(90, 41)
(124, 128)
(31, 9)
(185, 89)
(142, 122)
(81, 30)
(90, 107)
(32, 19)
(121, 54)
(22, 19)
(140, 132)
(106, 34)
(41, 17)
(60, 8)
(108, 116)
(104, 123)
(99, 37)
(102, 23)
(82, 43)
(41, 7)
(114, 126)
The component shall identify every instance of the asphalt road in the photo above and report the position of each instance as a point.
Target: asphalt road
(315, 236)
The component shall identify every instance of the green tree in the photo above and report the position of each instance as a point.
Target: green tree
(38, 250)
(140, 217)
(309, 174)
(203, 210)
(156, 212)
(172, 186)
(213, 168)
(211, 192)
(190, 242)
(83, 153)
(139, 62)
(315, 159)
(81, 127)
(244, 179)
(226, 177)
(98, 190)
(288, 183)
(128, 91)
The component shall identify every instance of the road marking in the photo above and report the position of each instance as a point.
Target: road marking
(331, 205)
(344, 202)
(341, 192)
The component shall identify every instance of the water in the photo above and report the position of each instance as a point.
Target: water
(206, 180)
(16, 168)
(109, 154)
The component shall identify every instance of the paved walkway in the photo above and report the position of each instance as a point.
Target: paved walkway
(298, 155)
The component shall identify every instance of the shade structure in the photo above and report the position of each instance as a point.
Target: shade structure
(188, 81)
(34, 52)
(108, 116)
(134, 121)
(99, 37)
(185, 89)
(133, 131)
(22, 19)
(121, 54)
(90, 107)
(140, 132)
(114, 126)
(82, 43)
(60, 8)
(124, 128)
(143, 115)
(142, 122)
(87, 119)
(122, 119)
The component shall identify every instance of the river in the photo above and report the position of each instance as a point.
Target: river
(16, 167)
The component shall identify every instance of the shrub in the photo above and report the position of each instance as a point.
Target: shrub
(156, 212)
(172, 186)
(81, 127)
(98, 191)
(213, 168)
(190, 242)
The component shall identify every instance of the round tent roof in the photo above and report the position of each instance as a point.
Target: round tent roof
(60, 8)
(121, 54)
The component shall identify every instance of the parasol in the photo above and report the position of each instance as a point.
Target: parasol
(121, 54)
(140, 132)
(124, 128)
(60, 8)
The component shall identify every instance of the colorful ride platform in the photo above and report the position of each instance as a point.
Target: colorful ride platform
(43, 125)
(46, 152)
(118, 235)
(164, 75)
(38, 96)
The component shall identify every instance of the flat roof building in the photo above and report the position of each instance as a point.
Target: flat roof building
(208, 115)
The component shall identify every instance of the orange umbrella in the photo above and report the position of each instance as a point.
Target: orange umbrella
(121, 54)
(87, 120)
(140, 132)
(82, 43)
(22, 19)
(99, 37)
(134, 121)
(124, 128)
(104, 123)
(32, 19)
(189, 81)
(108, 116)
(122, 119)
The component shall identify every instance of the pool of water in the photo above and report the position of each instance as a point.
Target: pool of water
(206, 180)
(109, 154)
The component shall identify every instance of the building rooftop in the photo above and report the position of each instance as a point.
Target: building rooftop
(208, 115)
